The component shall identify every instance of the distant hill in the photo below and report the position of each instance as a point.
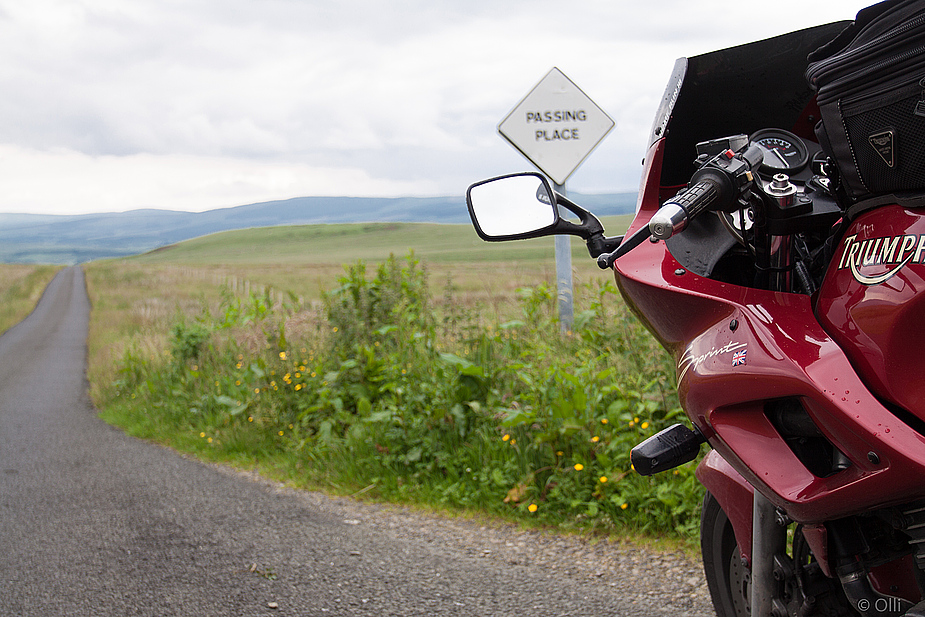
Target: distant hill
(35, 238)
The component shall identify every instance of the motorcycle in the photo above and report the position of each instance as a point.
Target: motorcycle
(793, 309)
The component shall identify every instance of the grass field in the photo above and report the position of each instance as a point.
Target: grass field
(440, 378)
(21, 286)
(135, 300)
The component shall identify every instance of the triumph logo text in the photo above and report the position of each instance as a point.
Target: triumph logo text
(891, 253)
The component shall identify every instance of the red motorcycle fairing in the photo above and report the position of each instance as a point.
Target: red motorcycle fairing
(739, 348)
(871, 303)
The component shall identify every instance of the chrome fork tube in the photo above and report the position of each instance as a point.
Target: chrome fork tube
(768, 539)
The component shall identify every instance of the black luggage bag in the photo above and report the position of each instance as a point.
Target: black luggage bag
(870, 87)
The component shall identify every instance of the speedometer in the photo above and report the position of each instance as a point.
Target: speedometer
(783, 151)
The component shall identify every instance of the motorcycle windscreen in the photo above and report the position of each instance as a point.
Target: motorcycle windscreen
(738, 90)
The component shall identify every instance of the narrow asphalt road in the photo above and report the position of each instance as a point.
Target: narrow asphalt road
(96, 523)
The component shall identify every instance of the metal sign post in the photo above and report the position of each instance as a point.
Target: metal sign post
(556, 126)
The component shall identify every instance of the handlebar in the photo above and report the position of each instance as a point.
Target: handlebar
(674, 215)
(716, 186)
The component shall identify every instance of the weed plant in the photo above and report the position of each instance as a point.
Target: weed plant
(379, 392)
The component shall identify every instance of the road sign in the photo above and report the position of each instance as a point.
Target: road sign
(556, 126)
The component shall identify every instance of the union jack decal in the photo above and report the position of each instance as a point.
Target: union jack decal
(738, 358)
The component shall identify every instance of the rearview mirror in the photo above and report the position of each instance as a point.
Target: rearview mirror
(512, 207)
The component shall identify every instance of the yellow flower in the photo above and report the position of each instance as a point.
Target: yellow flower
(256, 390)
(560, 453)
(624, 506)
(291, 427)
(513, 441)
(604, 421)
(282, 355)
(579, 466)
(250, 418)
(595, 439)
(210, 440)
(298, 387)
(280, 433)
(202, 434)
(335, 328)
(644, 425)
(532, 507)
(237, 382)
(636, 420)
(603, 479)
(505, 438)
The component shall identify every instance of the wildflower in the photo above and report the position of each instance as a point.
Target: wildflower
(210, 440)
(513, 442)
(237, 382)
(280, 433)
(624, 506)
(532, 507)
(644, 425)
(595, 439)
(335, 328)
(603, 420)
(506, 437)
(298, 387)
(291, 427)
(250, 418)
(238, 365)
(282, 355)
(256, 390)
(579, 466)
(560, 453)
(603, 479)
(636, 420)
(202, 435)
(631, 423)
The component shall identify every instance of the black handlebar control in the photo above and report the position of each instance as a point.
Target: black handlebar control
(715, 186)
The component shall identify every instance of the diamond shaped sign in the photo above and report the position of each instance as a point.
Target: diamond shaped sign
(556, 126)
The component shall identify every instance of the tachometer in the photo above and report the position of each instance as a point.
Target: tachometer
(784, 152)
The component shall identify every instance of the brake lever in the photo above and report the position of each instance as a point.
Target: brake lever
(606, 260)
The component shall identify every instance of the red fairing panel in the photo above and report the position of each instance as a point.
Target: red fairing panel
(872, 303)
(737, 348)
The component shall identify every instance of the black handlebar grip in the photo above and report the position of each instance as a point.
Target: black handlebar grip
(698, 198)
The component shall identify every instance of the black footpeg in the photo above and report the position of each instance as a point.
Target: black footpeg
(667, 449)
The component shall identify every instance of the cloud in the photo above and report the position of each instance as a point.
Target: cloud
(352, 97)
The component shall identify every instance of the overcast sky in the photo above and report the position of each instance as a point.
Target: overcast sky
(112, 105)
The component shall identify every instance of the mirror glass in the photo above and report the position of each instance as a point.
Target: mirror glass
(512, 205)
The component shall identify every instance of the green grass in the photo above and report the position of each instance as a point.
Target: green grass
(444, 382)
(372, 242)
(21, 286)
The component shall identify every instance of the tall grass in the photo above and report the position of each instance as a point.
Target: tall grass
(388, 389)
(21, 286)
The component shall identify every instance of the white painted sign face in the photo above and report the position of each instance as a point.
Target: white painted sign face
(556, 126)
